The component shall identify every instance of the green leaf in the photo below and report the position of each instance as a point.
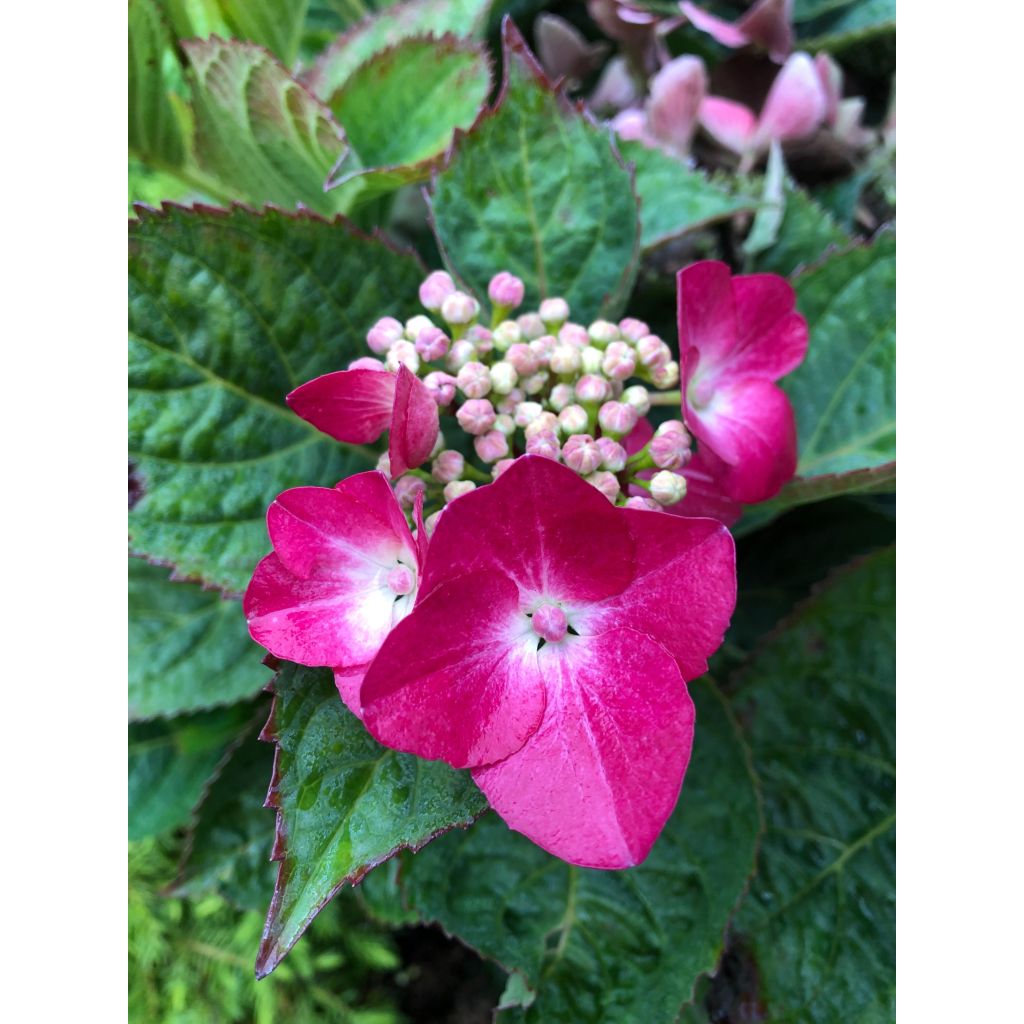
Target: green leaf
(154, 133)
(614, 947)
(804, 235)
(847, 24)
(674, 198)
(536, 189)
(258, 130)
(844, 393)
(228, 312)
(462, 18)
(401, 107)
(188, 648)
(819, 704)
(275, 24)
(171, 761)
(229, 847)
(345, 803)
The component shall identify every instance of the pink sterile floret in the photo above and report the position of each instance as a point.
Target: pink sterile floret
(549, 652)
(357, 406)
(343, 571)
(737, 335)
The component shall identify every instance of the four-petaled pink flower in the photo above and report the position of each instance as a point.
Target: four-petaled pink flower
(549, 652)
(737, 335)
(357, 406)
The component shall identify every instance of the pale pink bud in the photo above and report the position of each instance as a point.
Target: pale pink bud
(402, 353)
(644, 504)
(545, 443)
(439, 446)
(366, 363)
(491, 446)
(666, 376)
(432, 344)
(441, 386)
(430, 523)
(459, 308)
(670, 451)
(523, 358)
(668, 488)
(617, 418)
(499, 467)
(459, 354)
(546, 422)
(505, 423)
(619, 361)
(565, 360)
(531, 325)
(401, 579)
(435, 289)
(384, 464)
(672, 427)
(506, 334)
(503, 377)
(481, 337)
(677, 91)
(581, 454)
(606, 483)
(633, 329)
(448, 466)
(613, 455)
(574, 334)
(509, 402)
(592, 389)
(573, 419)
(457, 488)
(603, 332)
(561, 396)
(639, 397)
(549, 622)
(543, 346)
(536, 382)
(476, 416)
(591, 358)
(527, 412)
(554, 311)
(416, 325)
(652, 352)
(383, 334)
(406, 489)
(506, 290)
(474, 380)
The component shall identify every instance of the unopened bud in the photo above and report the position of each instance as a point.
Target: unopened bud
(474, 380)
(406, 489)
(503, 377)
(672, 427)
(441, 386)
(460, 308)
(545, 422)
(505, 423)
(527, 412)
(432, 344)
(561, 396)
(603, 332)
(617, 418)
(633, 329)
(574, 334)
(613, 455)
(619, 361)
(460, 353)
(384, 464)
(591, 359)
(565, 360)
(652, 352)
(592, 389)
(402, 579)
(554, 312)
(435, 289)
(531, 326)
(439, 446)
(430, 523)
(639, 398)
(448, 466)
(545, 444)
(606, 483)
(481, 338)
(476, 416)
(416, 325)
(573, 419)
(366, 363)
(499, 467)
(383, 334)
(491, 446)
(536, 382)
(402, 353)
(509, 402)
(506, 334)
(581, 454)
(543, 346)
(668, 488)
(666, 376)
(644, 504)
(523, 358)
(457, 488)
(506, 290)
(670, 451)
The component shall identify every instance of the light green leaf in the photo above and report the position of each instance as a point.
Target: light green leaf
(345, 803)
(154, 134)
(188, 648)
(171, 761)
(844, 393)
(674, 198)
(818, 702)
(258, 130)
(275, 24)
(536, 189)
(463, 18)
(228, 312)
(615, 947)
(847, 24)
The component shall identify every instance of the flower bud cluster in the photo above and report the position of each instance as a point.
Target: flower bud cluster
(533, 381)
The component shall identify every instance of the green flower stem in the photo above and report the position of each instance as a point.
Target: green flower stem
(667, 398)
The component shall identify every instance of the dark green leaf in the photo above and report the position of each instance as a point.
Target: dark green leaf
(154, 133)
(275, 24)
(537, 189)
(847, 24)
(844, 394)
(611, 946)
(188, 648)
(171, 761)
(674, 198)
(258, 130)
(228, 312)
(818, 702)
(462, 18)
(805, 233)
(345, 804)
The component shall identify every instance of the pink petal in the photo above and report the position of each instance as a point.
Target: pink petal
(349, 682)
(704, 497)
(541, 526)
(724, 32)
(772, 338)
(639, 436)
(597, 781)
(729, 123)
(414, 423)
(677, 91)
(749, 425)
(458, 680)
(684, 591)
(769, 23)
(830, 74)
(707, 314)
(796, 102)
(353, 406)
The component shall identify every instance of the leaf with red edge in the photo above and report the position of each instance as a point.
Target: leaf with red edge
(344, 803)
